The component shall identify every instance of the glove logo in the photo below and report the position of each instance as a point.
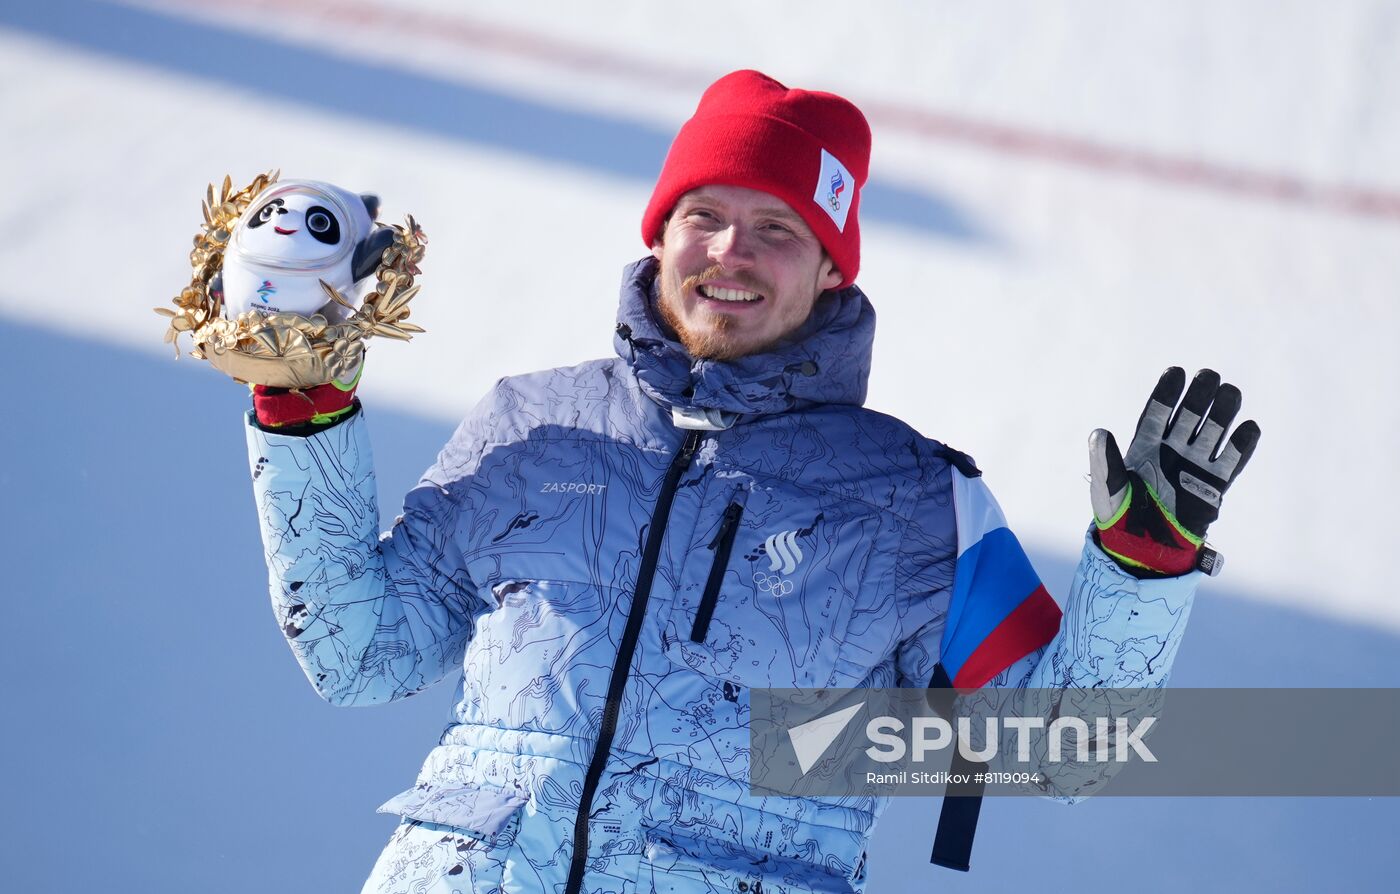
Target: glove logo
(1198, 487)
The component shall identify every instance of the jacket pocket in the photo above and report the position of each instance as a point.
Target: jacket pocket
(452, 837)
(765, 591)
(479, 811)
(678, 864)
(722, 545)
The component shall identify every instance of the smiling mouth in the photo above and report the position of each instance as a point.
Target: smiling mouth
(282, 231)
(734, 297)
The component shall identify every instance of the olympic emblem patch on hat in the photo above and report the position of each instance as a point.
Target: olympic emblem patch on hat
(836, 190)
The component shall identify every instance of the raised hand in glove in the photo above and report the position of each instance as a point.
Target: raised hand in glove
(269, 303)
(1153, 507)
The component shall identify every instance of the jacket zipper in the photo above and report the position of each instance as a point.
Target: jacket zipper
(646, 572)
(722, 545)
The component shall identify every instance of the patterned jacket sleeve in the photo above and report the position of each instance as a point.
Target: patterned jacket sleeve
(370, 617)
(980, 610)
(1114, 632)
(1117, 631)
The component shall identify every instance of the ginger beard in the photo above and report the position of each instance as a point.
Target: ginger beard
(714, 341)
(714, 334)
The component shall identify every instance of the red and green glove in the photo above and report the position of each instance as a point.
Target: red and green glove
(292, 407)
(1152, 508)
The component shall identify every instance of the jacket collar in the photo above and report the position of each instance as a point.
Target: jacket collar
(826, 361)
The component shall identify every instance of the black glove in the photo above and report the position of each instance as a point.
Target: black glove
(1153, 508)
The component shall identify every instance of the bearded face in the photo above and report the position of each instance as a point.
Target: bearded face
(740, 270)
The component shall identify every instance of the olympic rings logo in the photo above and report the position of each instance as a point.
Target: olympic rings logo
(771, 583)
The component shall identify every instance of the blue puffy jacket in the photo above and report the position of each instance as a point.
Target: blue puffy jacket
(612, 583)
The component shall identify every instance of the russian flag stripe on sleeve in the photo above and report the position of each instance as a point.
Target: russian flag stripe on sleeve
(999, 611)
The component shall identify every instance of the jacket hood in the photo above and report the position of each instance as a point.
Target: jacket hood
(826, 361)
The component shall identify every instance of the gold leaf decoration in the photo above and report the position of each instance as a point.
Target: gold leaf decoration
(288, 350)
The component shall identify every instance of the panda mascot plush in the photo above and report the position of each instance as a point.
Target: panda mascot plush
(289, 280)
(294, 234)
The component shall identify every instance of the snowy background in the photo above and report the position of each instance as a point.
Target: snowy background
(1067, 197)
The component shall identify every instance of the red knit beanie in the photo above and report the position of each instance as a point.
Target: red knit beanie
(810, 149)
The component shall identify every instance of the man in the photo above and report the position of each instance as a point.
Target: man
(617, 552)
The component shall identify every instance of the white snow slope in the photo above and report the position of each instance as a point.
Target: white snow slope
(1122, 166)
